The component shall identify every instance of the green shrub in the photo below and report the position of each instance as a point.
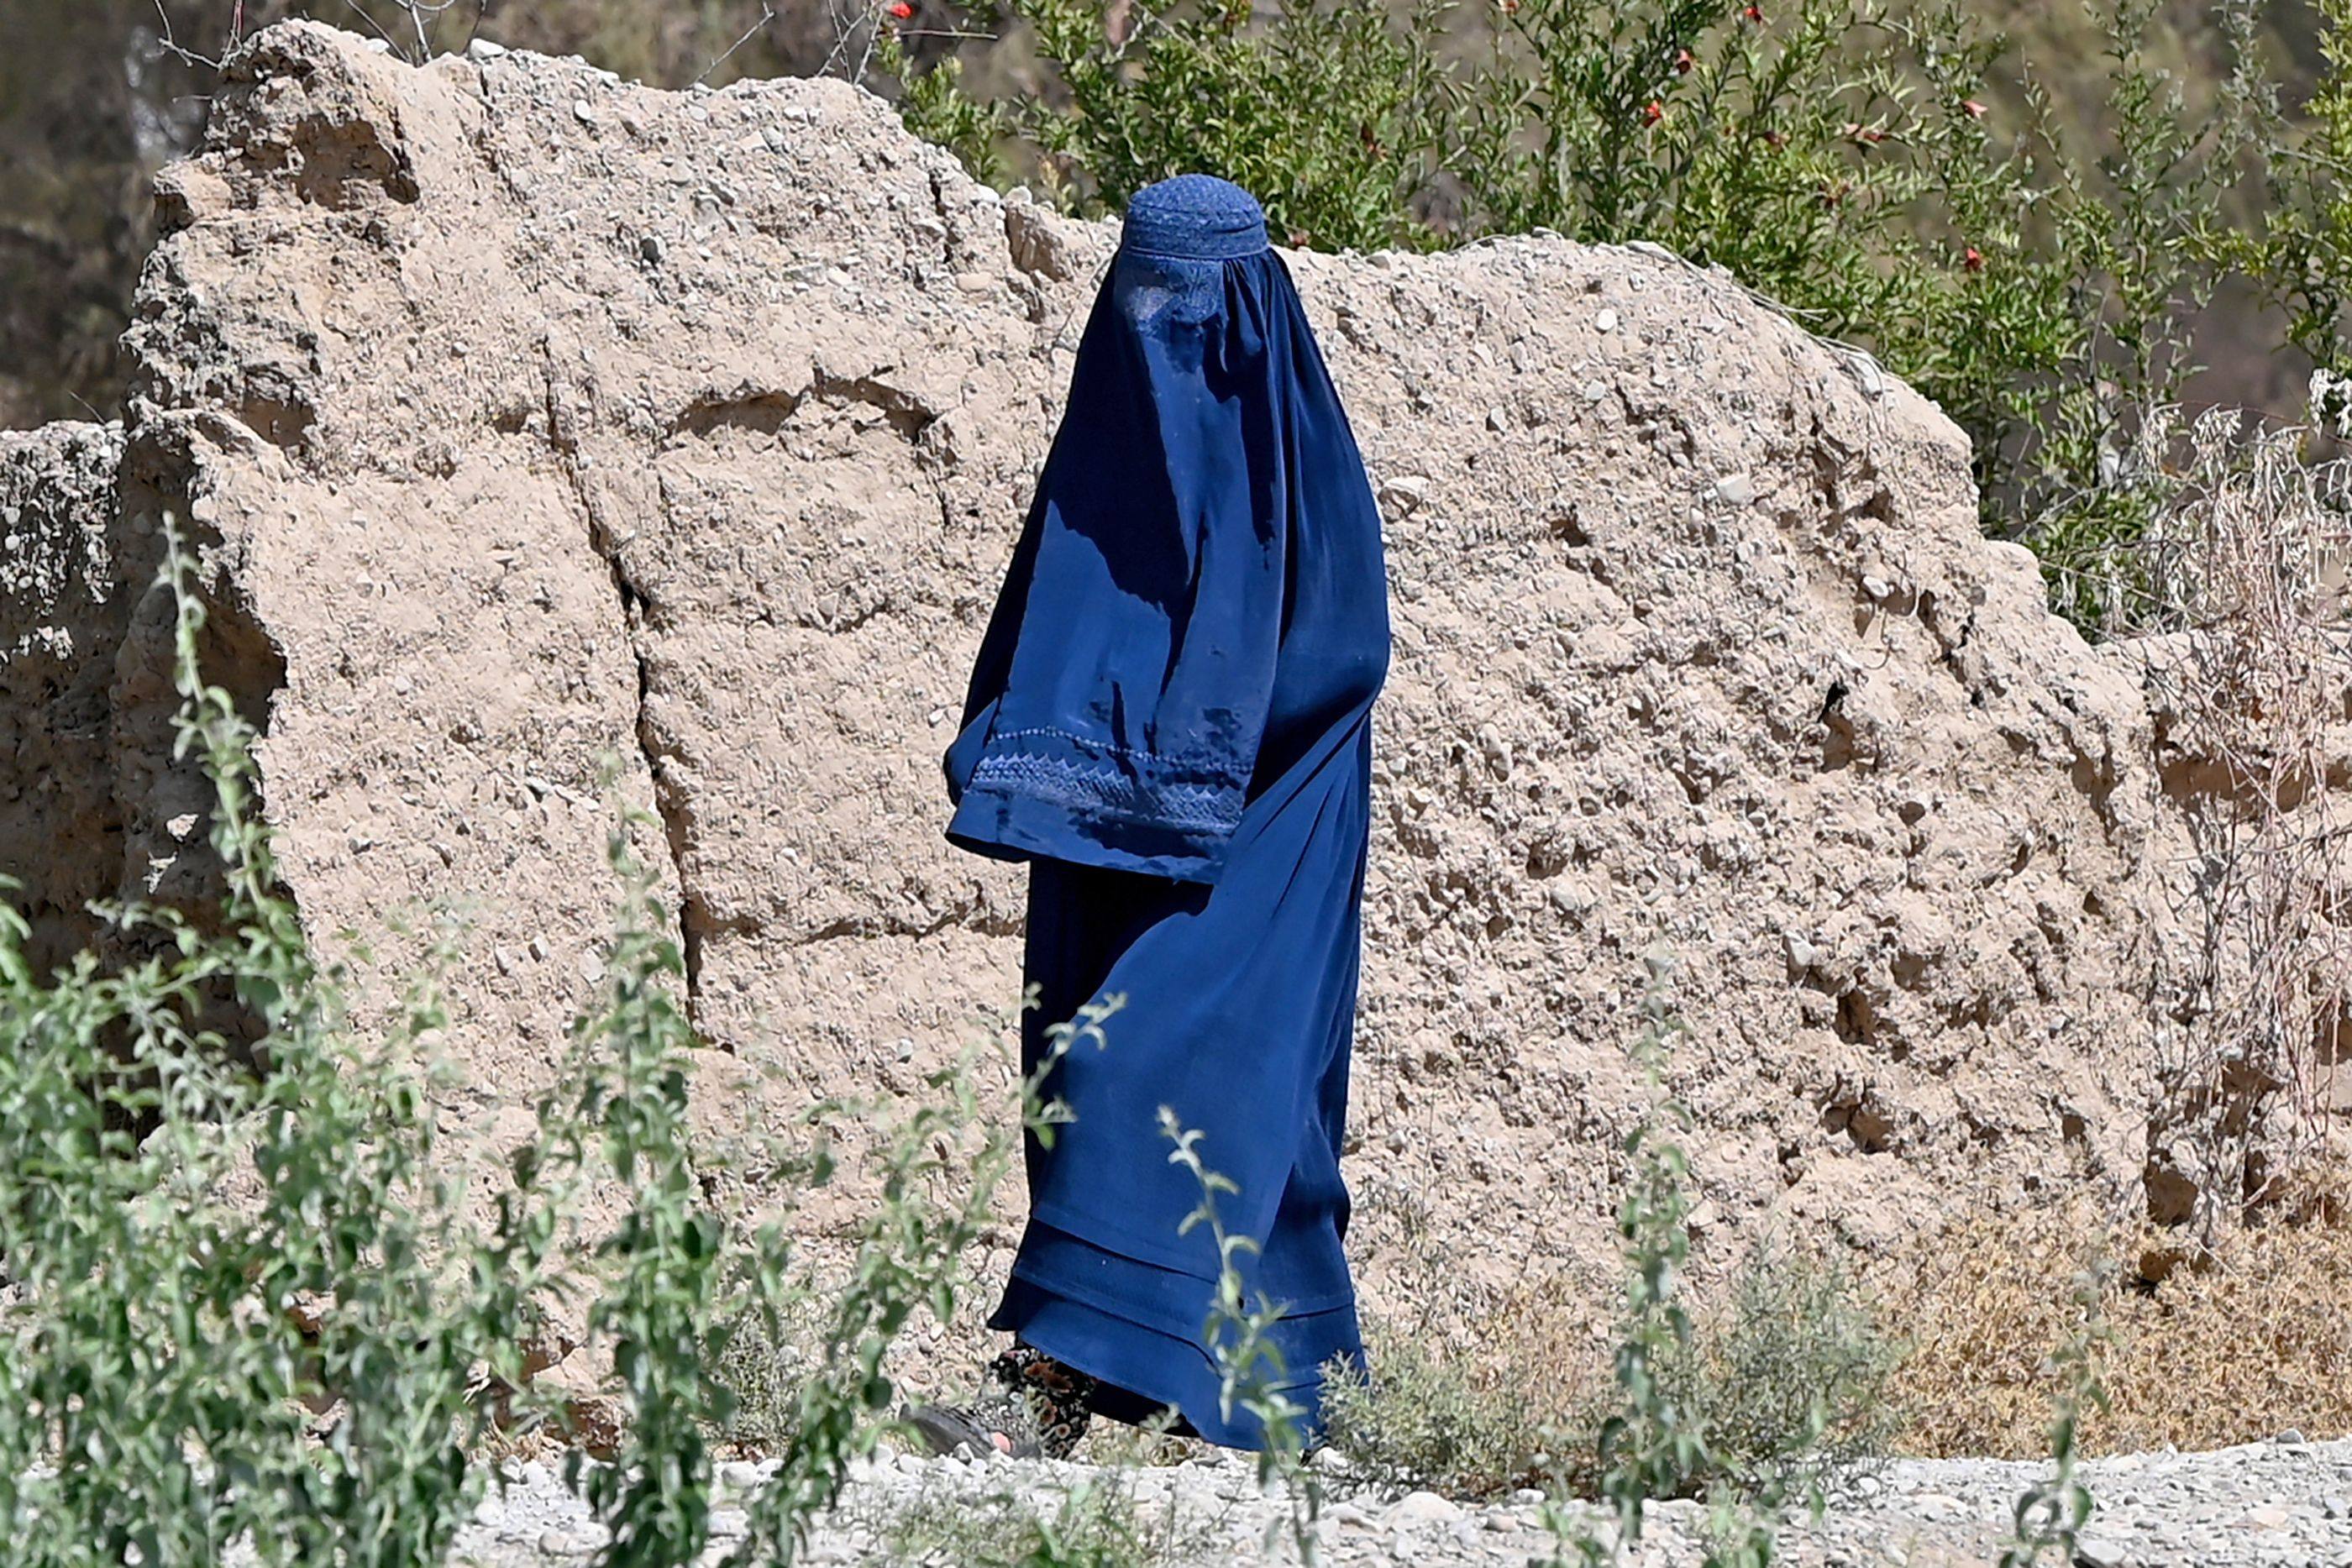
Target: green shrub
(761, 1363)
(1329, 113)
(1864, 163)
(1423, 1418)
(661, 1272)
(1095, 1523)
(2301, 254)
(1760, 1402)
(1652, 1444)
(936, 1171)
(1238, 1332)
(242, 1300)
(1791, 1375)
(1836, 155)
(205, 1247)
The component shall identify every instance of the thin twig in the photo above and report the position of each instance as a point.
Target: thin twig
(766, 14)
(869, 13)
(362, 13)
(171, 46)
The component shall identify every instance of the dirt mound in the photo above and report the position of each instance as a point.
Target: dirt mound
(529, 418)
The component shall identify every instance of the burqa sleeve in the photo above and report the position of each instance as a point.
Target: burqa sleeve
(1122, 688)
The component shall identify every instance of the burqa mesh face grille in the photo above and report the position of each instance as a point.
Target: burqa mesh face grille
(1168, 270)
(1168, 720)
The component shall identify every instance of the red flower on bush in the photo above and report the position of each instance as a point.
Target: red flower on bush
(1976, 110)
(1754, 14)
(902, 10)
(1652, 112)
(1973, 259)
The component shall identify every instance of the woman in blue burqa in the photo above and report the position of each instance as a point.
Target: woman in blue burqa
(1168, 720)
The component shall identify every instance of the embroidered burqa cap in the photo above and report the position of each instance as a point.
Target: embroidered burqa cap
(1168, 718)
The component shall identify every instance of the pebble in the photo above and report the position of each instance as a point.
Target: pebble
(573, 1542)
(2261, 1505)
(1422, 1507)
(1405, 492)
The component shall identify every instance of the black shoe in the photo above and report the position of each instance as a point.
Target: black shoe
(1039, 1409)
(992, 1425)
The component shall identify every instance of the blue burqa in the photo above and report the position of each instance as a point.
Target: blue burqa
(1169, 721)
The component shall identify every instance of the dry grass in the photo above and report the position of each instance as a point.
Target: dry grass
(2243, 579)
(2251, 1338)
(1515, 1394)
(1477, 1398)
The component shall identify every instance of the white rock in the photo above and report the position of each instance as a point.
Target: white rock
(1418, 1507)
(571, 1541)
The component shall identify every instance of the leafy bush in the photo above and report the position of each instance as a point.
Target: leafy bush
(1238, 1333)
(2301, 254)
(244, 1301)
(1425, 1416)
(1858, 161)
(1329, 113)
(1095, 1523)
(1792, 1375)
(661, 1271)
(1839, 157)
(1763, 1400)
(201, 1254)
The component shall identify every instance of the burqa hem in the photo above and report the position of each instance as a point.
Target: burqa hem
(1172, 1371)
(1059, 1249)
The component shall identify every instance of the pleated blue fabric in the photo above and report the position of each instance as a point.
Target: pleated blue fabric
(1169, 720)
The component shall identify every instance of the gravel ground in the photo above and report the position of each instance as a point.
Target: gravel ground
(2281, 1504)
